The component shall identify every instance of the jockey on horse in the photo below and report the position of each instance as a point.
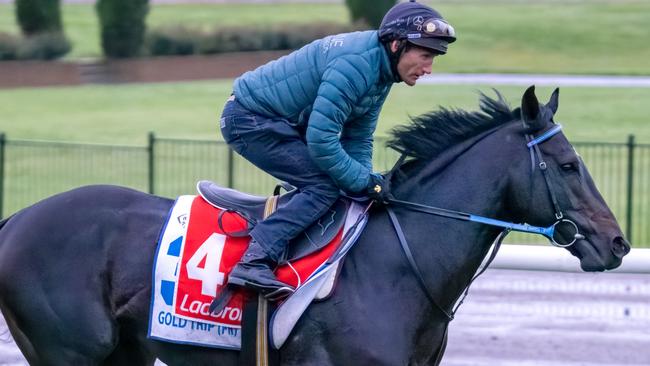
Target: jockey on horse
(308, 119)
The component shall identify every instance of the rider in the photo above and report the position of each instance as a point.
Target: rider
(308, 119)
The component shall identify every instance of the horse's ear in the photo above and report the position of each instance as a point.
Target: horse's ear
(554, 101)
(529, 107)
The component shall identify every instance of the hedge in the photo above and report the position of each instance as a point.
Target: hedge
(369, 11)
(42, 29)
(42, 46)
(178, 40)
(122, 24)
(38, 16)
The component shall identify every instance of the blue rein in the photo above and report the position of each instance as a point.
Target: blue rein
(548, 232)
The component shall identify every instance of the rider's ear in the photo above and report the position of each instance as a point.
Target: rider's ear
(394, 46)
(530, 109)
(553, 102)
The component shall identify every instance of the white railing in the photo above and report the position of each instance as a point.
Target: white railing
(549, 258)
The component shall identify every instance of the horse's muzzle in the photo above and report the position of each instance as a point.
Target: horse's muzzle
(605, 256)
(621, 247)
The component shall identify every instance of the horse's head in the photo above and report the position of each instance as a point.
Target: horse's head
(514, 165)
(551, 184)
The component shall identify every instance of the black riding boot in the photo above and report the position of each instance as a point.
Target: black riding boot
(254, 271)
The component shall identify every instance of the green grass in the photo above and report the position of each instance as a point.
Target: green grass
(124, 114)
(548, 36)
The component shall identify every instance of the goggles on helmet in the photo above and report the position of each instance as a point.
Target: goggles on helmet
(436, 28)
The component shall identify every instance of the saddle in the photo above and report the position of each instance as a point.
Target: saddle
(252, 208)
(257, 328)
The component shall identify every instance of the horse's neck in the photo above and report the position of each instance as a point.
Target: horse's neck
(470, 179)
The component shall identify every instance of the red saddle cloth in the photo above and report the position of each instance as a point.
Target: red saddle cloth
(208, 255)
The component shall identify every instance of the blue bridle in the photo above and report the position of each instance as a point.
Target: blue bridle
(549, 232)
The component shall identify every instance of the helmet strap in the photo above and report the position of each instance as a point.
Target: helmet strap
(395, 56)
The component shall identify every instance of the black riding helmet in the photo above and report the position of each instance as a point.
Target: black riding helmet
(417, 24)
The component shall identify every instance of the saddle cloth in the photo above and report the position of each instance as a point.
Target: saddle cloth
(192, 261)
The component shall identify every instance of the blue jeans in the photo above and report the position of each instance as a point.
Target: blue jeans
(278, 148)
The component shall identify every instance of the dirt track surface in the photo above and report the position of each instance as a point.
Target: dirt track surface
(522, 318)
(553, 319)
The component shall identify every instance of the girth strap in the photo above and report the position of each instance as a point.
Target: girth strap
(256, 310)
(262, 338)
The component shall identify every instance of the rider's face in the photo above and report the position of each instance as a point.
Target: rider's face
(413, 63)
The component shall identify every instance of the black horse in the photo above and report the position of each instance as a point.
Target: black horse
(75, 269)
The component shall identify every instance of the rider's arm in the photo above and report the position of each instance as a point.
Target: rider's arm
(357, 141)
(357, 137)
(345, 81)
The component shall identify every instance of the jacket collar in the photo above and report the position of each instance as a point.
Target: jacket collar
(387, 68)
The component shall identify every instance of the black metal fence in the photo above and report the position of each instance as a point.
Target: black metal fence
(32, 170)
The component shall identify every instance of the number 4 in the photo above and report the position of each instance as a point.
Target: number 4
(209, 275)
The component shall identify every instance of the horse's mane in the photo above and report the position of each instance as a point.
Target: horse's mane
(431, 133)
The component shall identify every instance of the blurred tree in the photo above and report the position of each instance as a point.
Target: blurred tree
(38, 16)
(369, 11)
(123, 26)
(40, 23)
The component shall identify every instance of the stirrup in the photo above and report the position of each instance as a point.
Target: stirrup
(279, 293)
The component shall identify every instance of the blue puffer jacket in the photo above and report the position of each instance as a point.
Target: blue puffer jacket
(335, 86)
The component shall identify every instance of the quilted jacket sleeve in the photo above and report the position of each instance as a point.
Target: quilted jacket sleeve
(344, 82)
(357, 137)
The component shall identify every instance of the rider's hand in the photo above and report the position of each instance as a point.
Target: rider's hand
(378, 188)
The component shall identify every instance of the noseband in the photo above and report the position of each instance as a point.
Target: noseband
(548, 232)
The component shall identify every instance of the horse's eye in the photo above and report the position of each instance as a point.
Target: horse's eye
(569, 167)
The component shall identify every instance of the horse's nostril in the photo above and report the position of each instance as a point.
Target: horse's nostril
(621, 247)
